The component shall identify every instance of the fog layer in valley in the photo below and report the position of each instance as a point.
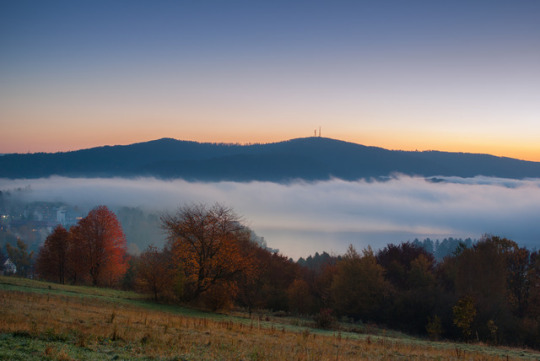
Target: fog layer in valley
(302, 218)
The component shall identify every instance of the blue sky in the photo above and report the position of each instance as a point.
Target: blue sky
(456, 76)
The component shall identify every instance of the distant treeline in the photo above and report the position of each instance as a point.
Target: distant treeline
(439, 249)
(487, 291)
(446, 247)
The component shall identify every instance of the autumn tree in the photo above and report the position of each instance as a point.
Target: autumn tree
(277, 273)
(52, 260)
(21, 257)
(157, 274)
(517, 269)
(464, 314)
(434, 328)
(77, 262)
(206, 242)
(410, 270)
(397, 261)
(2, 260)
(300, 296)
(249, 284)
(100, 247)
(318, 271)
(358, 287)
(482, 274)
(533, 276)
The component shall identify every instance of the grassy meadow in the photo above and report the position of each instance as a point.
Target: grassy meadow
(47, 321)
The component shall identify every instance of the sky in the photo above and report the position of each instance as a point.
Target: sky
(411, 75)
(302, 218)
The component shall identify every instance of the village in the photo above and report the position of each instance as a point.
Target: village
(30, 222)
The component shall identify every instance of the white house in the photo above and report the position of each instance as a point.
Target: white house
(9, 267)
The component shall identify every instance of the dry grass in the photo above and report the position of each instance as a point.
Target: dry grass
(65, 326)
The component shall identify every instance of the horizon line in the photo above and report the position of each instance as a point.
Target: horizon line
(247, 144)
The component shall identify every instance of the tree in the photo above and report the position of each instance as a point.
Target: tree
(518, 283)
(100, 247)
(482, 273)
(533, 276)
(410, 270)
(464, 313)
(21, 257)
(418, 303)
(434, 328)
(397, 262)
(300, 297)
(78, 263)
(156, 273)
(359, 287)
(531, 322)
(2, 259)
(52, 260)
(266, 284)
(206, 242)
(277, 274)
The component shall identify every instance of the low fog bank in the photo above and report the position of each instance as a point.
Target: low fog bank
(303, 218)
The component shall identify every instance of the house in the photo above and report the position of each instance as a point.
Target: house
(9, 267)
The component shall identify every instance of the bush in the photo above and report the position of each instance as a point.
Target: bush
(324, 319)
(434, 328)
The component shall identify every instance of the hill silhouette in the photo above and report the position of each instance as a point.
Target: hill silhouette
(308, 159)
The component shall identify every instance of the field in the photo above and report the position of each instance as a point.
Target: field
(46, 321)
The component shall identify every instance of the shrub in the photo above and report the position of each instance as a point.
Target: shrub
(324, 319)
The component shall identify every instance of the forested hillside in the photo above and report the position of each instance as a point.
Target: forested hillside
(305, 158)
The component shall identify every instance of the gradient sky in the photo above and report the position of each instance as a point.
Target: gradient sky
(446, 75)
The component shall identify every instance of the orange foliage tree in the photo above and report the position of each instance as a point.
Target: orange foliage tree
(52, 260)
(99, 247)
(207, 243)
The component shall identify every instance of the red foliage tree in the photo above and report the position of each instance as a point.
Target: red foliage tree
(52, 260)
(99, 247)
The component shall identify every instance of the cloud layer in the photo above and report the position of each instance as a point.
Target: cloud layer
(302, 218)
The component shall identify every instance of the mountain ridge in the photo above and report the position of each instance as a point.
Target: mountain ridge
(312, 158)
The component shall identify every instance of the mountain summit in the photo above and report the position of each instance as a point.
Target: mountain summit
(310, 159)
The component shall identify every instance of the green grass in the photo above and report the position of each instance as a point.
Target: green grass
(51, 345)
(266, 320)
(136, 299)
(104, 294)
(22, 284)
(24, 347)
